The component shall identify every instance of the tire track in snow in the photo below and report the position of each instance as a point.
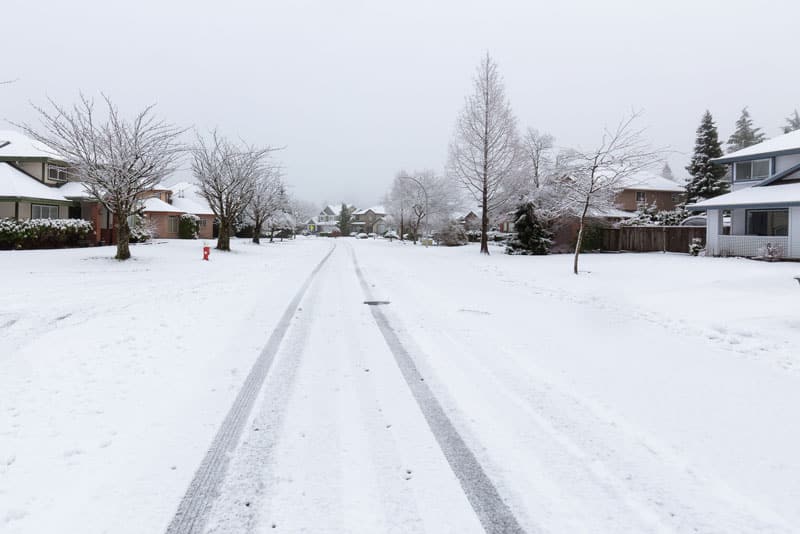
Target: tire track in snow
(196, 503)
(492, 511)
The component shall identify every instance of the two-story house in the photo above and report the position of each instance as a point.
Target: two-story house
(369, 220)
(764, 202)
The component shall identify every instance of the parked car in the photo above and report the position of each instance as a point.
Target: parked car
(362, 235)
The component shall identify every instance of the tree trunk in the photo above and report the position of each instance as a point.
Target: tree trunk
(257, 234)
(402, 228)
(224, 238)
(271, 235)
(484, 224)
(123, 239)
(579, 242)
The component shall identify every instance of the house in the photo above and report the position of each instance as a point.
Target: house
(327, 221)
(186, 197)
(369, 220)
(35, 183)
(470, 221)
(764, 202)
(647, 188)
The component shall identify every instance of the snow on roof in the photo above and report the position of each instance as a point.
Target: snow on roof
(769, 195)
(789, 142)
(613, 213)
(16, 145)
(378, 210)
(192, 205)
(74, 190)
(16, 184)
(154, 204)
(651, 181)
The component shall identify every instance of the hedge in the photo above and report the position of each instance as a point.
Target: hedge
(43, 233)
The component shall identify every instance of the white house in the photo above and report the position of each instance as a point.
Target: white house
(764, 204)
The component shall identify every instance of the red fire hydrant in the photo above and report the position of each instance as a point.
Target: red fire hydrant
(206, 252)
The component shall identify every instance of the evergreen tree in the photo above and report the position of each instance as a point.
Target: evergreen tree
(666, 172)
(532, 236)
(792, 123)
(707, 178)
(745, 135)
(344, 219)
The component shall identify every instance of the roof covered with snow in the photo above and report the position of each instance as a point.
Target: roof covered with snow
(771, 195)
(15, 146)
(783, 144)
(74, 190)
(187, 197)
(154, 204)
(651, 181)
(377, 210)
(18, 185)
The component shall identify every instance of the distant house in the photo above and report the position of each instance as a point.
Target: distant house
(369, 220)
(764, 204)
(327, 221)
(470, 221)
(648, 188)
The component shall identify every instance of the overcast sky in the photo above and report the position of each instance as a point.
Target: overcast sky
(356, 90)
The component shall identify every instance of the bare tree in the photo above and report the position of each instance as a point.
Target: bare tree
(484, 152)
(398, 200)
(227, 175)
(537, 149)
(430, 199)
(116, 159)
(593, 177)
(268, 198)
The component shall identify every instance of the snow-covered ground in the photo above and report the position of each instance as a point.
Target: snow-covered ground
(651, 393)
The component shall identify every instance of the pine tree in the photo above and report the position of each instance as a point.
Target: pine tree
(745, 135)
(532, 236)
(707, 178)
(792, 123)
(344, 219)
(666, 172)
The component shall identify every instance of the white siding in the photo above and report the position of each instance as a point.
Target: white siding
(738, 221)
(713, 228)
(794, 232)
(784, 162)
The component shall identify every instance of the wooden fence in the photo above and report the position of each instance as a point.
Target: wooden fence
(652, 238)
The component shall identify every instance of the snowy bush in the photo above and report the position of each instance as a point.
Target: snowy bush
(696, 246)
(43, 233)
(141, 230)
(650, 216)
(532, 237)
(452, 235)
(188, 226)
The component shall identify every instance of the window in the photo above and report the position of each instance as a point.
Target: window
(751, 170)
(40, 211)
(640, 196)
(203, 223)
(57, 174)
(173, 224)
(768, 222)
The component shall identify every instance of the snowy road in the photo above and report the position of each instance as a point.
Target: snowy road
(489, 394)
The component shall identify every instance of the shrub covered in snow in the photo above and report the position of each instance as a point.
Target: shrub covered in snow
(452, 235)
(141, 230)
(188, 226)
(650, 216)
(42, 233)
(532, 238)
(696, 246)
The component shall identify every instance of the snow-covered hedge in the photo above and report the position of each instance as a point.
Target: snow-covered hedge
(43, 233)
(188, 226)
(651, 216)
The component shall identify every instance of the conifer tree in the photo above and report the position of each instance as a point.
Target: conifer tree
(533, 238)
(745, 135)
(666, 172)
(792, 123)
(707, 178)
(344, 219)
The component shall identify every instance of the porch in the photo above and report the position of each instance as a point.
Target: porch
(755, 232)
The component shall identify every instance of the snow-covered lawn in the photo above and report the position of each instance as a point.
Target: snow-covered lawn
(651, 393)
(115, 376)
